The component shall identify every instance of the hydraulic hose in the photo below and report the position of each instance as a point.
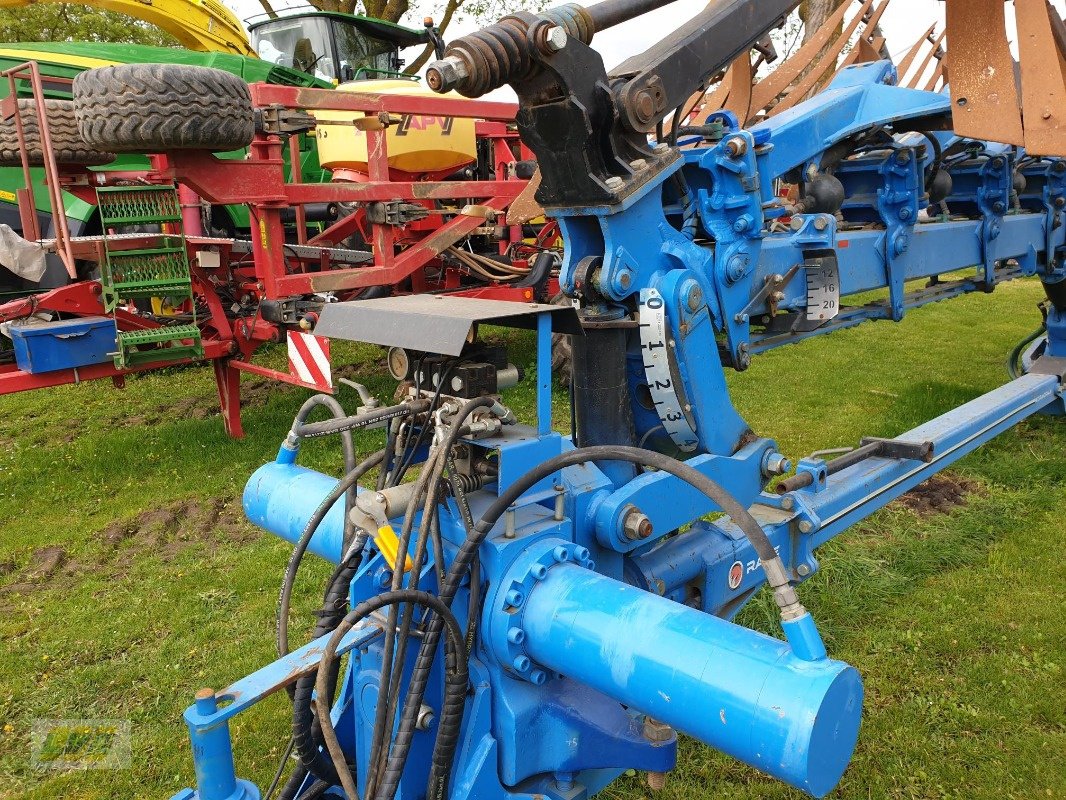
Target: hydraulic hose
(335, 408)
(310, 430)
(456, 671)
(429, 482)
(1013, 367)
(447, 738)
(285, 596)
(306, 732)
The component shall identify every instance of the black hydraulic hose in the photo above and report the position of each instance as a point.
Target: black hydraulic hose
(347, 446)
(1013, 367)
(285, 595)
(310, 430)
(306, 732)
(456, 671)
(419, 440)
(394, 652)
(296, 778)
(387, 685)
(429, 482)
(467, 553)
(390, 452)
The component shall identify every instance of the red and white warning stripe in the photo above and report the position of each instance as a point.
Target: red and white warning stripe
(309, 360)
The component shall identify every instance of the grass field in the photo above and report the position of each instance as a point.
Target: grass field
(128, 578)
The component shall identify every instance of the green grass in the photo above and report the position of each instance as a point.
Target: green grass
(955, 619)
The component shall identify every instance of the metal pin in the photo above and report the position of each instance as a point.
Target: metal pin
(509, 523)
(560, 503)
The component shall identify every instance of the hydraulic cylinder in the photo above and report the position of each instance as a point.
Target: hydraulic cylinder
(739, 691)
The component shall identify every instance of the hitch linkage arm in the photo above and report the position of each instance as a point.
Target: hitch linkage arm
(587, 127)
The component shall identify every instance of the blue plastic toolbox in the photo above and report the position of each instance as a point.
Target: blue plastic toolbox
(68, 343)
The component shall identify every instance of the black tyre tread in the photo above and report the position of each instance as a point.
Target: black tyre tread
(67, 143)
(146, 108)
(562, 349)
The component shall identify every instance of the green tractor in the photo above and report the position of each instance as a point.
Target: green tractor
(307, 48)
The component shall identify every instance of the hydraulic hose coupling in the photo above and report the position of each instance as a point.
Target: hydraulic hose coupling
(372, 512)
(784, 708)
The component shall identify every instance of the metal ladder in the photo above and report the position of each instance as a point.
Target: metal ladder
(155, 272)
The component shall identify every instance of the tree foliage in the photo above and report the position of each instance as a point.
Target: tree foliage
(62, 22)
(444, 12)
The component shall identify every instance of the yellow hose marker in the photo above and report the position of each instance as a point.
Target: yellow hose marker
(389, 544)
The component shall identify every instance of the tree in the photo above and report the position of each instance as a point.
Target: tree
(814, 13)
(61, 22)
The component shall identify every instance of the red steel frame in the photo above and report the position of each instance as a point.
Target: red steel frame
(402, 254)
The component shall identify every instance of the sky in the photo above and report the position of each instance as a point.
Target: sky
(902, 23)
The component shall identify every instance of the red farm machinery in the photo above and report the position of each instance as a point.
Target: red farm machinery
(421, 186)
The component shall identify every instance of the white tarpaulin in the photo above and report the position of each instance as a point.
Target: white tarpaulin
(23, 257)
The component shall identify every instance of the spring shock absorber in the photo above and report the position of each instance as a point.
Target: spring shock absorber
(502, 53)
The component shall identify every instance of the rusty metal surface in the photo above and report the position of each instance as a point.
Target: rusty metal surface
(936, 77)
(916, 48)
(983, 92)
(808, 82)
(868, 47)
(525, 207)
(1043, 89)
(740, 78)
(924, 65)
(767, 90)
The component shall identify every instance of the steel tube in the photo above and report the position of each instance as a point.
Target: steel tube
(740, 691)
(614, 12)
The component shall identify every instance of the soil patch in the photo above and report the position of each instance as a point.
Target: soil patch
(163, 532)
(938, 495)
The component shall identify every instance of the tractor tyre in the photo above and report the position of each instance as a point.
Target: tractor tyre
(155, 108)
(67, 144)
(562, 350)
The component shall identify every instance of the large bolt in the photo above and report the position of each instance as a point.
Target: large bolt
(636, 525)
(805, 526)
(743, 357)
(776, 464)
(614, 183)
(446, 74)
(425, 718)
(644, 105)
(655, 731)
(737, 146)
(695, 297)
(555, 39)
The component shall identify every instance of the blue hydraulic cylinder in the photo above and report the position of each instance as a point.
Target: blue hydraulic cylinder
(739, 691)
(281, 497)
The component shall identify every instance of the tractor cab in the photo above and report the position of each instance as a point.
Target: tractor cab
(334, 46)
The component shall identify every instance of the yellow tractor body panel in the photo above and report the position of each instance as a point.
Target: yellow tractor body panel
(203, 25)
(417, 145)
